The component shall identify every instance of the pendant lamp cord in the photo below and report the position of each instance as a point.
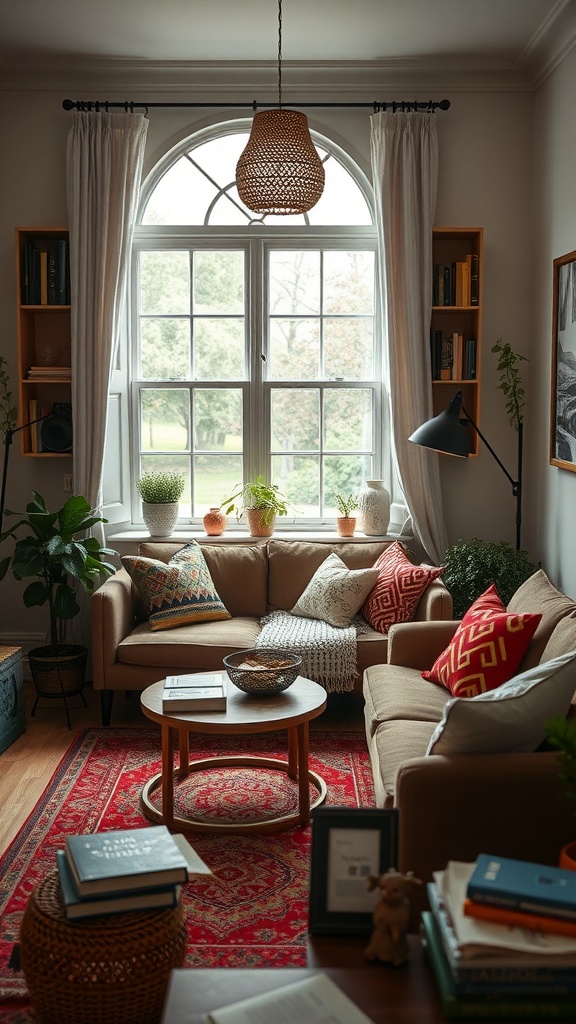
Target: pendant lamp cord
(280, 54)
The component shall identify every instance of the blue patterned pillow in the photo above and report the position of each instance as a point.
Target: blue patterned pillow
(177, 593)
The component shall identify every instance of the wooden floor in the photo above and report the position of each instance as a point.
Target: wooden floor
(27, 766)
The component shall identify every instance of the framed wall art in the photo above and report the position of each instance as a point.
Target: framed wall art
(348, 845)
(563, 399)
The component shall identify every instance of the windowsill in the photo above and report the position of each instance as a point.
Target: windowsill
(235, 536)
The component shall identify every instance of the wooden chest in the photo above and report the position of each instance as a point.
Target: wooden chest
(12, 719)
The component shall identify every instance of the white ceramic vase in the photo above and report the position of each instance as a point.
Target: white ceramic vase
(160, 517)
(374, 508)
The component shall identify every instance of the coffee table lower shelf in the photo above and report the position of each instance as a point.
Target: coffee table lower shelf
(272, 824)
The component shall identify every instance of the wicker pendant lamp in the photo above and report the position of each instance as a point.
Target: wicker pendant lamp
(280, 171)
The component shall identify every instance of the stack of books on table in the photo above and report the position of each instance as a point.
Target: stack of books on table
(199, 691)
(131, 869)
(494, 968)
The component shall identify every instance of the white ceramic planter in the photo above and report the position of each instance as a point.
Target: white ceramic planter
(374, 508)
(160, 518)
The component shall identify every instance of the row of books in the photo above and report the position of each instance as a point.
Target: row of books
(126, 870)
(456, 284)
(200, 691)
(453, 357)
(45, 272)
(50, 373)
(492, 968)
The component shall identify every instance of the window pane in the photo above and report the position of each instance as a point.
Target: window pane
(165, 282)
(215, 478)
(343, 474)
(348, 282)
(181, 196)
(349, 348)
(176, 464)
(294, 283)
(219, 349)
(298, 477)
(218, 420)
(164, 419)
(294, 349)
(295, 419)
(165, 349)
(341, 202)
(348, 420)
(218, 283)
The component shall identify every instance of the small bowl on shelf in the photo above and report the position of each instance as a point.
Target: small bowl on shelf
(262, 671)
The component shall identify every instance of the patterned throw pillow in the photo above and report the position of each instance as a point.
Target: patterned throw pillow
(398, 589)
(176, 593)
(335, 592)
(486, 649)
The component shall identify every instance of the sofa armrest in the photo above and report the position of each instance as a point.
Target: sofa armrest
(455, 807)
(435, 604)
(418, 644)
(113, 618)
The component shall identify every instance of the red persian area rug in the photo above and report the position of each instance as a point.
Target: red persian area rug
(253, 910)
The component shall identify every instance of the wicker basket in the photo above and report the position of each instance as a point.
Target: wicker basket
(112, 969)
(279, 671)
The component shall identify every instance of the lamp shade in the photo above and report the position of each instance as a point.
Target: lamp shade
(280, 171)
(445, 433)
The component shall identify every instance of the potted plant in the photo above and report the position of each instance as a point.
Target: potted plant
(260, 503)
(345, 523)
(471, 566)
(56, 551)
(7, 408)
(561, 734)
(160, 490)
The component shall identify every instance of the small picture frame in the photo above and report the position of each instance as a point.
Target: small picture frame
(348, 845)
(562, 424)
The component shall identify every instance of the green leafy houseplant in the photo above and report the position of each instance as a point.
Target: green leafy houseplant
(57, 553)
(510, 382)
(7, 409)
(470, 567)
(346, 503)
(257, 494)
(160, 486)
(561, 734)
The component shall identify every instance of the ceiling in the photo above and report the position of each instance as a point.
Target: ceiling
(65, 33)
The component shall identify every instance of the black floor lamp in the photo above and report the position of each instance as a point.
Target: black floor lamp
(447, 433)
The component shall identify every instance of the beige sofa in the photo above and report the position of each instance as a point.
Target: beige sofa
(252, 580)
(454, 806)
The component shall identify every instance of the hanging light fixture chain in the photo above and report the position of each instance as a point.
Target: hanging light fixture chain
(280, 54)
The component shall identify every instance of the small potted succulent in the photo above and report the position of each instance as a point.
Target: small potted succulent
(160, 490)
(346, 523)
(260, 503)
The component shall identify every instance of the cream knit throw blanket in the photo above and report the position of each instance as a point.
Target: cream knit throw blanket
(328, 652)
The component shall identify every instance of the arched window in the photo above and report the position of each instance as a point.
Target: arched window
(255, 337)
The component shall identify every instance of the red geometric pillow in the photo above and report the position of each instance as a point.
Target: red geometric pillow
(486, 649)
(397, 590)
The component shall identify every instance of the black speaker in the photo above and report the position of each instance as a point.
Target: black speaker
(56, 429)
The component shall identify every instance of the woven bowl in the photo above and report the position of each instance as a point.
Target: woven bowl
(278, 671)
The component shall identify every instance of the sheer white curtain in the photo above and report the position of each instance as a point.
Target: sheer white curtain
(405, 172)
(104, 169)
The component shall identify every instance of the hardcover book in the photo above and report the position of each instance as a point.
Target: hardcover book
(519, 918)
(77, 907)
(524, 885)
(201, 691)
(107, 862)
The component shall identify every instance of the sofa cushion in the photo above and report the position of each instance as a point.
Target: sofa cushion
(293, 563)
(335, 592)
(563, 638)
(197, 647)
(393, 692)
(486, 649)
(510, 719)
(538, 594)
(398, 589)
(391, 746)
(178, 593)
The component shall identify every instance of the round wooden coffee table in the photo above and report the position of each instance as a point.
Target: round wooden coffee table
(291, 710)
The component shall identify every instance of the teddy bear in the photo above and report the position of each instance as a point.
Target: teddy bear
(388, 942)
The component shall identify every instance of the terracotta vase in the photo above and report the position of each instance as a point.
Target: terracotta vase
(259, 523)
(567, 858)
(215, 521)
(346, 525)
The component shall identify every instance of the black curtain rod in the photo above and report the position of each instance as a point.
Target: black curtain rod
(129, 105)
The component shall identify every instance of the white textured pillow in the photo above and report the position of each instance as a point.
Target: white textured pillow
(510, 719)
(335, 592)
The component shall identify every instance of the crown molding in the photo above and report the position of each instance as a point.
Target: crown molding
(553, 42)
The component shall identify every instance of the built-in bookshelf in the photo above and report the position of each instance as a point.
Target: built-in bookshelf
(43, 306)
(456, 322)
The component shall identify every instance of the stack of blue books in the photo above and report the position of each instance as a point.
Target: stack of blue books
(489, 970)
(126, 870)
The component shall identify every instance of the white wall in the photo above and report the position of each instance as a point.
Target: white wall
(486, 158)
